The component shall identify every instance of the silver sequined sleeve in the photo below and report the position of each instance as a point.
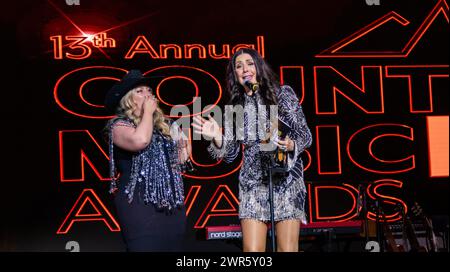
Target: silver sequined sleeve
(230, 147)
(294, 116)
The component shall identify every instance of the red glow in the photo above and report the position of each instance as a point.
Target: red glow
(196, 69)
(56, 89)
(410, 159)
(210, 208)
(302, 78)
(333, 52)
(355, 89)
(86, 82)
(338, 148)
(372, 192)
(406, 72)
(83, 157)
(191, 196)
(438, 145)
(179, 77)
(76, 215)
(352, 191)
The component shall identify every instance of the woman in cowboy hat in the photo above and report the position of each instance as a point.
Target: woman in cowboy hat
(147, 152)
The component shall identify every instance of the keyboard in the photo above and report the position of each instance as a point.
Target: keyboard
(311, 229)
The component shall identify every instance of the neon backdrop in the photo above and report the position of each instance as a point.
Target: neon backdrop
(333, 151)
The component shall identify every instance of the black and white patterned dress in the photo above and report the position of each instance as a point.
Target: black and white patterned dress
(289, 191)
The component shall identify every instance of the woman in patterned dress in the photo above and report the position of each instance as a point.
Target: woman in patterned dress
(253, 86)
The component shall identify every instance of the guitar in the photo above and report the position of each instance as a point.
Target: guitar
(431, 238)
(408, 227)
(392, 245)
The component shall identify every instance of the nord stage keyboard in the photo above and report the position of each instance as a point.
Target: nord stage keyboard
(311, 229)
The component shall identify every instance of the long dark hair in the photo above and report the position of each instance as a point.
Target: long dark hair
(266, 78)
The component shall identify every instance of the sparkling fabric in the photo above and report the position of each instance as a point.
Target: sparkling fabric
(289, 190)
(155, 173)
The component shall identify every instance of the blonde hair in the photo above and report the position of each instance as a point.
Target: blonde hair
(127, 108)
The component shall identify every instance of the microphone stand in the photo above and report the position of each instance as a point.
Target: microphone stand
(274, 168)
(366, 220)
(362, 209)
(380, 233)
(362, 204)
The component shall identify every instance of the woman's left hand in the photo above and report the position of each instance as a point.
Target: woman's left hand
(286, 144)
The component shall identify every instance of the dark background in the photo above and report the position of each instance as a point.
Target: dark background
(35, 201)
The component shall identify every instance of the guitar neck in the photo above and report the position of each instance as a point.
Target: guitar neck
(412, 237)
(431, 238)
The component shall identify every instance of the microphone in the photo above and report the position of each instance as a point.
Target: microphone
(252, 86)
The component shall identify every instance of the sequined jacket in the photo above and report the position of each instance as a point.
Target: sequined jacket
(155, 172)
(253, 171)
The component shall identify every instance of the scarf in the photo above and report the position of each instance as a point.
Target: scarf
(155, 173)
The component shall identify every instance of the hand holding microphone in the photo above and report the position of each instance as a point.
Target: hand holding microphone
(251, 86)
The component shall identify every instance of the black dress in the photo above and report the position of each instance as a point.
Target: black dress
(145, 228)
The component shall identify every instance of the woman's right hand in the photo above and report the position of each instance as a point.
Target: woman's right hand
(149, 105)
(206, 127)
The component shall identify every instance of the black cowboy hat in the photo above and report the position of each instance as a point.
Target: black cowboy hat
(132, 79)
